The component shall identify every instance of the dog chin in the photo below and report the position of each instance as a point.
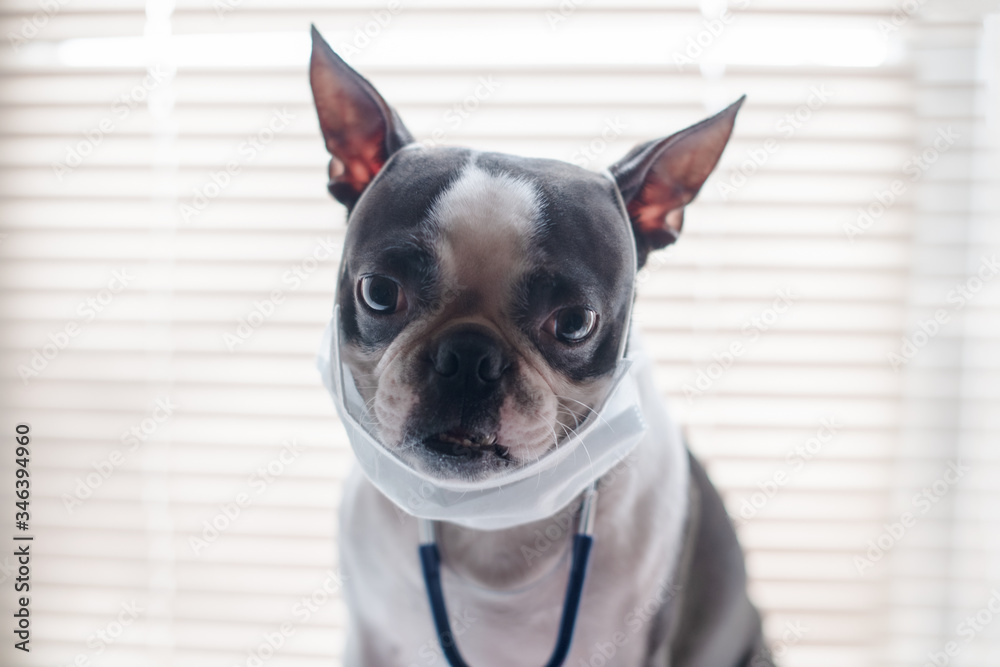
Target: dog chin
(442, 457)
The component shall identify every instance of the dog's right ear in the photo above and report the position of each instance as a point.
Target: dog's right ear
(361, 131)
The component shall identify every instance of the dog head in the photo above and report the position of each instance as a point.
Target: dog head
(484, 297)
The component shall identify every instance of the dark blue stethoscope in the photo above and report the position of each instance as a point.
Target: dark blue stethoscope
(430, 560)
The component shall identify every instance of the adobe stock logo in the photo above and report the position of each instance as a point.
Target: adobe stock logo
(967, 630)
(785, 127)
(365, 34)
(915, 167)
(221, 179)
(922, 503)
(796, 458)
(59, 340)
(462, 110)
(590, 151)
(711, 29)
(87, 485)
(958, 297)
(121, 108)
(566, 9)
(904, 11)
(31, 26)
(753, 329)
(265, 308)
(230, 512)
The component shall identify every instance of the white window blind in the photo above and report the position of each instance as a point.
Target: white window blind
(169, 253)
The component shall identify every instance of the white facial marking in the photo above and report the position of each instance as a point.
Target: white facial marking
(487, 223)
(478, 197)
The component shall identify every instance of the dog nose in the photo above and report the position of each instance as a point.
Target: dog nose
(470, 357)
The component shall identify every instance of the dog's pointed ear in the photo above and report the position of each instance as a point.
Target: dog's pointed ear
(659, 178)
(361, 131)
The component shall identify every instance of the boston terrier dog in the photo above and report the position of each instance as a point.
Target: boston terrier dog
(483, 303)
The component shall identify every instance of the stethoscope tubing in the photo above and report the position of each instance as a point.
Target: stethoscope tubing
(583, 542)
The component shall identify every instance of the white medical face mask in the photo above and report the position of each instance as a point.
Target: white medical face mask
(525, 494)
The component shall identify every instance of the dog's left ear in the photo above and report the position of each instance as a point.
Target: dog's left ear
(361, 131)
(659, 178)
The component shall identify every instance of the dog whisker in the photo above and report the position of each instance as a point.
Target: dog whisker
(588, 408)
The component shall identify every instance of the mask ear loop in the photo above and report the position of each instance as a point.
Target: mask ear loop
(627, 330)
(430, 561)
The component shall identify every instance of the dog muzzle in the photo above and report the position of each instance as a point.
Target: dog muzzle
(528, 493)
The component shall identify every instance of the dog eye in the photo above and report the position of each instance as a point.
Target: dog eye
(572, 325)
(381, 294)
